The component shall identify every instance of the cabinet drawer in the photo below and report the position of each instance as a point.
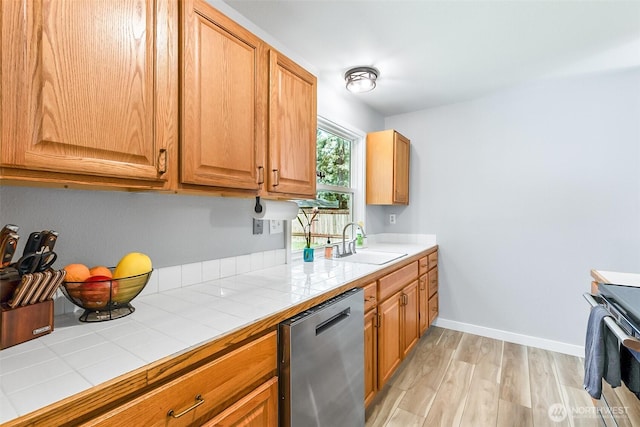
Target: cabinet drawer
(370, 298)
(433, 308)
(423, 265)
(433, 259)
(258, 408)
(208, 389)
(433, 281)
(392, 283)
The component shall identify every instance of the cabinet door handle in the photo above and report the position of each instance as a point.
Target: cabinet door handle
(199, 401)
(378, 320)
(260, 175)
(162, 161)
(405, 299)
(276, 177)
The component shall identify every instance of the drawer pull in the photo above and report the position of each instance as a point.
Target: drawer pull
(199, 401)
(370, 299)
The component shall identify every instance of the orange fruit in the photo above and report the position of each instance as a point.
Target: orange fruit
(100, 270)
(77, 273)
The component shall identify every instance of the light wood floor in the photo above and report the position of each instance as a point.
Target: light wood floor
(457, 379)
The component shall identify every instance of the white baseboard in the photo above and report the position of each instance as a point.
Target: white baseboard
(560, 347)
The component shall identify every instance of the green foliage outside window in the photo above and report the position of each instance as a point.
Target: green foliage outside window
(334, 159)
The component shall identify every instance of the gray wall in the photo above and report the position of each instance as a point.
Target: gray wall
(98, 227)
(527, 191)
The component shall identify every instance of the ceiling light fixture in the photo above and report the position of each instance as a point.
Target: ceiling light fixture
(361, 79)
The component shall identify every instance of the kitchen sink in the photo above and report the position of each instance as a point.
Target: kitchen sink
(372, 257)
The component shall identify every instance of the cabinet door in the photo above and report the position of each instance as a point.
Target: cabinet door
(423, 308)
(224, 100)
(401, 169)
(433, 281)
(292, 128)
(258, 409)
(389, 338)
(90, 87)
(433, 308)
(370, 356)
(410, 327)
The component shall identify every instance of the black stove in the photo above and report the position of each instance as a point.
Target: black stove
(623, 302)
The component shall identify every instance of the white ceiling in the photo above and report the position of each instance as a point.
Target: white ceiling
(431, 53)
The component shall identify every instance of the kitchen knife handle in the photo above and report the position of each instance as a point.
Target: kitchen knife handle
(33, 243)
(162, 161)
(199, 401)
(8, 248)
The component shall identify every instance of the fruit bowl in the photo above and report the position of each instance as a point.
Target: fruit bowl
(104, 298)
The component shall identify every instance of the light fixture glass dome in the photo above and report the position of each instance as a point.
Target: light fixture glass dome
(361, 79)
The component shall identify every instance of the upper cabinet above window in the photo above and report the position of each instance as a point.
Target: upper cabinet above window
(89, 91)
(387, 168)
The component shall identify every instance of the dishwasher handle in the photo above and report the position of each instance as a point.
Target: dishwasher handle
(333, 321)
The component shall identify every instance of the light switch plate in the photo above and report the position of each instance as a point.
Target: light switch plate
(275, 226)
(258, 226)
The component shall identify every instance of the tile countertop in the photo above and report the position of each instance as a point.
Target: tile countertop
(78, 356)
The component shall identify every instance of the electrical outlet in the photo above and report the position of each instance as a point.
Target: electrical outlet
(258, 226)
(392, 218)
(275, 226)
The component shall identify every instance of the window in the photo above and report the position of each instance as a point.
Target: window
(338, 185)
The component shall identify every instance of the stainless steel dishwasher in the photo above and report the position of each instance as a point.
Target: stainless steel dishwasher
(322, 364)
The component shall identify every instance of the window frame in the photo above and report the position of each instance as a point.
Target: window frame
(358, 177)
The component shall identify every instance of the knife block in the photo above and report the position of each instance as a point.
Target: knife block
(21, 324)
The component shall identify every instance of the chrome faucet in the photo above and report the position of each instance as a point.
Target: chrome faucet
(349, 248)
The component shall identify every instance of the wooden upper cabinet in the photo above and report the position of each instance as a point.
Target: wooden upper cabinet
(292, 128)
(90, 88)
(387, 168)
(224, 100)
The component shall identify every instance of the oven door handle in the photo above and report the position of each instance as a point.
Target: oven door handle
(625, 339)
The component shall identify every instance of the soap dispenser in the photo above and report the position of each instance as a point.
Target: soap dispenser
(328, 250)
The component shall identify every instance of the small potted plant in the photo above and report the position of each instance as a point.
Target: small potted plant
(307, 254)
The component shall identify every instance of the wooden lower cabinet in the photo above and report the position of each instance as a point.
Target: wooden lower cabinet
(389, 338)
(370, 356)
(257, 409)
(397, 330)
(433, 308)
(423, 304)
(410, 327)
(223, 386)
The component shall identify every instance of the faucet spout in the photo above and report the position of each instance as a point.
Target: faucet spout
(351, 248)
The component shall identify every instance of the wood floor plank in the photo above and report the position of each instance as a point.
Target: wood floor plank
(402, 418)
(450, 339)
(580, 408)
(489, 363)
(448, 405)
(418, 399)
(630, 403)
(481, 408)
(570, 369)
(435, 367)
(407, 373)
(511, 415)
(468, 348)
(619, 412)
(514, 382)
(383, 406)
(545, 388)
